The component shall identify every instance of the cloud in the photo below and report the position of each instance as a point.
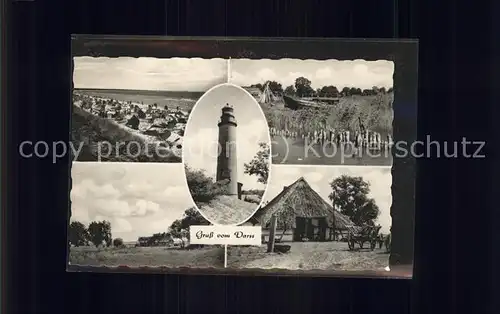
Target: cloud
(323, 73)
(319, 178)
(173, 74)
(351, 73)
(314, 177)
(134, 199)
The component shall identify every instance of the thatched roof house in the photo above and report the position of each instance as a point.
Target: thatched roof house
(299, 200)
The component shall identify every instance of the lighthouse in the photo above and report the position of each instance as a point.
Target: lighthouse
(227, 160)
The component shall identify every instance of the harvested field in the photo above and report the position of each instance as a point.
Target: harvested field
(309, 256)
(206, 257)
(228, 210)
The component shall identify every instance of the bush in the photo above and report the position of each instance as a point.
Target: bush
(203, 189)
(118, 242)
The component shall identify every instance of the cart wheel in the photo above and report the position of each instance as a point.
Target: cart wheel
(350, 243)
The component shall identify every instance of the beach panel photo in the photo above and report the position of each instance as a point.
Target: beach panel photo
(134, 215)
(135, 109)
(226, 155)
(325, 218)
(328, 112)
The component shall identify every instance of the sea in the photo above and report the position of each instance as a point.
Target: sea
(185, 100)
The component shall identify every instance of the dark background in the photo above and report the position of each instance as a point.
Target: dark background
(455, 232)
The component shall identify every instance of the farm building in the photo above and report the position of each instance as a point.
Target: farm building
(299, 208)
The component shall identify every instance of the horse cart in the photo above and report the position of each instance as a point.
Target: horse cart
(362, 235)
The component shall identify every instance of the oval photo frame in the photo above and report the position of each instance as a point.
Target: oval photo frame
(226, 155)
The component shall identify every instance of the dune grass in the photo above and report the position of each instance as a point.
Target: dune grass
(375, 112)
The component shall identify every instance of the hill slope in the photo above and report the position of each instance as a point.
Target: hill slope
(89, 130)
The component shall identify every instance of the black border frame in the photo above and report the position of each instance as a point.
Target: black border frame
(404, 54)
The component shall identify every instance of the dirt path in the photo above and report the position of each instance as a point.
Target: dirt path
(311, 255)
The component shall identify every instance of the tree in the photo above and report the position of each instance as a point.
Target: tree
(329, 91)
(367, 92)
(180, 228)
(100, 232)
(290, 90)
(367, 213)
(259, 86)
(346, 91)
(275, 87)
(350, 196)
(390, 90)
(303, 87)
(118, 242)
(78, 234)
(355, 91)
(259, 165)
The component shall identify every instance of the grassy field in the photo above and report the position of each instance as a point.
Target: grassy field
(211, 256)
(375, 112)
(309, 256)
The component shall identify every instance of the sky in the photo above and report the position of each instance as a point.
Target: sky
(172, 74)
(351, 73)
(138, 199)
(319, 177)
(201, 134)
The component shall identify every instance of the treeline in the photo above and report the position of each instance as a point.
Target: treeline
(179, 229)
(302, 88)
(98, 233)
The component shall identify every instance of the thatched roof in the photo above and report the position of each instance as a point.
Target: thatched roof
(300, 200)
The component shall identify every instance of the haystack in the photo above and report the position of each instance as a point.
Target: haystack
(299, 200)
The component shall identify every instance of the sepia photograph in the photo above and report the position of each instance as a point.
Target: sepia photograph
(226, 155)
(134, 215)
(332, 218)
(135, 109)
(329, 112)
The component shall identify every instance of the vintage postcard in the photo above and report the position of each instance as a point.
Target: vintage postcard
(231, 156)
